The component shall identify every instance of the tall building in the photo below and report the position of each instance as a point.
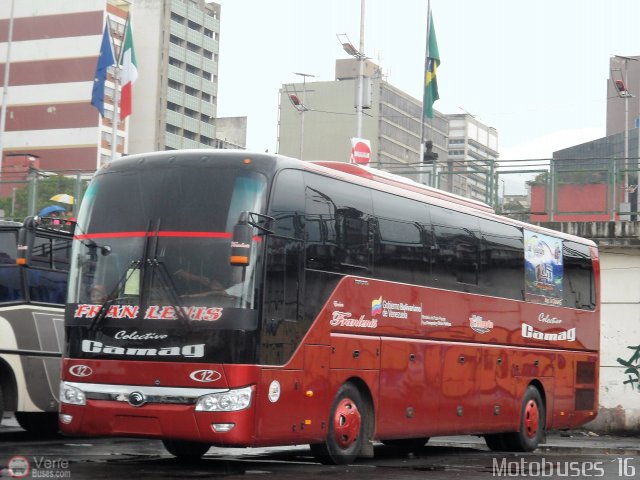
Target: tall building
(317, 121)
(473, 149)
(175, 97)
(53, 54)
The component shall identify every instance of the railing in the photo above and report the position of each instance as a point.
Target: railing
(26, 193)
(544, 190)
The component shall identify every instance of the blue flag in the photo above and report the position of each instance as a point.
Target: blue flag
(105, 60)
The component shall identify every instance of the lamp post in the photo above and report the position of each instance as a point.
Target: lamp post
(303, 107)
(5, 85)
(621, 86)
(360, 56)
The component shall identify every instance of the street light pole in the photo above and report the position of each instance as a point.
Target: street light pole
(304, 108)
(5, 85)
(360, 74)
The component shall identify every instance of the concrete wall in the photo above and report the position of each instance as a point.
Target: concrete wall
(619, 342)
(619, 247)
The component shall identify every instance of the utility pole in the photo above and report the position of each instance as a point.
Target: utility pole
(5, 86)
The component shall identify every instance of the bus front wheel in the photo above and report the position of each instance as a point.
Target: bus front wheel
(184, 450)
(347, 428)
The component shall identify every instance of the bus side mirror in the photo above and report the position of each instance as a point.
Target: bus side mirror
(241, 242)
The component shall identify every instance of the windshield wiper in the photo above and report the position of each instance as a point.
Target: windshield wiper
(114, 294)
(167, 284)
(166, 281)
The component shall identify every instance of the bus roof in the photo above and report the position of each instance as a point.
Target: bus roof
(405, 183)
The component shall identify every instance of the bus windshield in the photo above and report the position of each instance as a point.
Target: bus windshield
(158, 238)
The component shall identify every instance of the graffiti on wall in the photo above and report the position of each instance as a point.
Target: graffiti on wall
(633, 367)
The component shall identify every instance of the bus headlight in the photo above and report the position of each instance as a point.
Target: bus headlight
(71, 395)
(225, 402)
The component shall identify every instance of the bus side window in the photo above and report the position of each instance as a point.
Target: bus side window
(338, 216)
(457, 249)
(8, 247)
(287, 204)
(502, 260)
(403, 239)
(578, 282)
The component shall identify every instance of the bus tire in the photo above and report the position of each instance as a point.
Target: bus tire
(1, 405)
(41, 423)
(347, 428)
(496, 442)
(532, 423)
(184, 450)
(406, 444)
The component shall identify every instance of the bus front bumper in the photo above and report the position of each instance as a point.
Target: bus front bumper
(218, 417)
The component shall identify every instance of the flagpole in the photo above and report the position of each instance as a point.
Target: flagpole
(116, 81)
(424, 76)
(5, 86)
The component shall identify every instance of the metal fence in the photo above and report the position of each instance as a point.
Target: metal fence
(24, 194)
(593, 189)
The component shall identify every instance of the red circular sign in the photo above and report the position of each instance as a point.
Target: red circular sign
(361, 152)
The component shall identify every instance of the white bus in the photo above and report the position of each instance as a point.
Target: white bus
(34, 263)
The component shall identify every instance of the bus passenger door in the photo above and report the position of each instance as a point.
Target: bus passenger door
(282, 328)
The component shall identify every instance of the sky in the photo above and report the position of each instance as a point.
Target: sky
(535, 71)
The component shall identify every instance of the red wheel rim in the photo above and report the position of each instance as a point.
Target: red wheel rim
(346, 423)
(531, 419)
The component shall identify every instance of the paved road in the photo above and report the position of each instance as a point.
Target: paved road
(577, 455)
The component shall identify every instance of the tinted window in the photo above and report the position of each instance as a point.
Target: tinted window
(11, 285)
(337, 222)
(403, 240)
(287, 204)
(46, 286)
(502, 260)
(8, 247)
(578, 283)
(456, 249)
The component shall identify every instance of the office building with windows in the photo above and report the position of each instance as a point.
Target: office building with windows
(52, 54)
(317, 121)
(175, 97)
(473, 151)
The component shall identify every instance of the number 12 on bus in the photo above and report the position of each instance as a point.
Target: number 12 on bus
(234, 299)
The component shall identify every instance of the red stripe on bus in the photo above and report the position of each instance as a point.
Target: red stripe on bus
(88, 236)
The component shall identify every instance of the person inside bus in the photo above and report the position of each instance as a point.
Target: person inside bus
(98, 294)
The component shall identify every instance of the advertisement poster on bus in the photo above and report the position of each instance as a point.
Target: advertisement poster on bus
(543, 268)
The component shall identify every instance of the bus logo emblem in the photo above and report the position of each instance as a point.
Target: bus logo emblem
(205, 376)
(80, 370)
(137, 399)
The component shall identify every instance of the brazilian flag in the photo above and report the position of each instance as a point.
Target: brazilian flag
(430, 79)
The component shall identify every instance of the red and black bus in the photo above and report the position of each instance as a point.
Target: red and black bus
(235, 299)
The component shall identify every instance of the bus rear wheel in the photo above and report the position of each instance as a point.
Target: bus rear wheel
(532, 424)
(347, 428)
(185, 450)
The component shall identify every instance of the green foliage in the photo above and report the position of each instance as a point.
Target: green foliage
(46, 188)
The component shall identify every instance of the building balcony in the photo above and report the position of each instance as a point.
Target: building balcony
(175, 73)
(178, 30)
(193, 81)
